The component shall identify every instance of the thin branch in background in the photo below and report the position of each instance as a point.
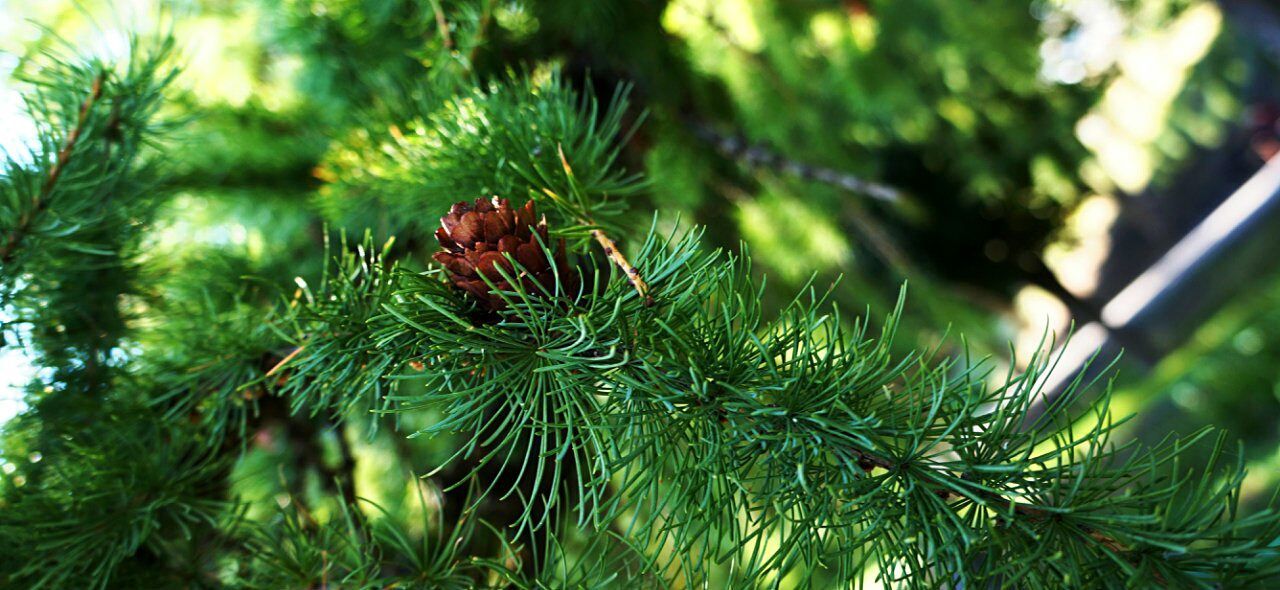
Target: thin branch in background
(303, 435)
(345, 472)
(760, 156)
(786, 91)
(482, 30)
(879, 241)
(19, 231)
(442, 24)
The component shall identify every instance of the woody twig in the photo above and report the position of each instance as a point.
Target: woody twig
(41, 201)
(606, 243)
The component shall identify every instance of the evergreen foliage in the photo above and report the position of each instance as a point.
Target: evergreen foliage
(649, 424)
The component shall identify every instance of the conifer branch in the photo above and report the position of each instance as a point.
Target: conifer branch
(345, 471)
(869, 461)
(63, 158)
(733, 445)
(482, 31)
(442, 25)
(760, 156)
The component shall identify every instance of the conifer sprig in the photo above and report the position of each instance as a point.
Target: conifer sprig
(504, 139)
(41, 200)
(74, 207)
(92, 121)
(791, 446)
(647, 423)
(796, 448)
(126, 484)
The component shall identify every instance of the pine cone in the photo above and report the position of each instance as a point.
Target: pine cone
(476, 239)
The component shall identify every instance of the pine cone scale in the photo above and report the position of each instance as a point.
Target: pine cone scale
(531, 257)
(508, 244)
(496, 227)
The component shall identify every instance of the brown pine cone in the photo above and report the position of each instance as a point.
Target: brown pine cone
(476, 238)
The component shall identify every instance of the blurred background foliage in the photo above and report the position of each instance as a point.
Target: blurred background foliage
(1008, 142)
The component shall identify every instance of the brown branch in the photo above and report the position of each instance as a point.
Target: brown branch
(610, 247)
(760, 156)
(442, 24)
(344, 474)
(633, 275)
(41, 201)
(485, 17)
(878, 240)
(284, 361)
